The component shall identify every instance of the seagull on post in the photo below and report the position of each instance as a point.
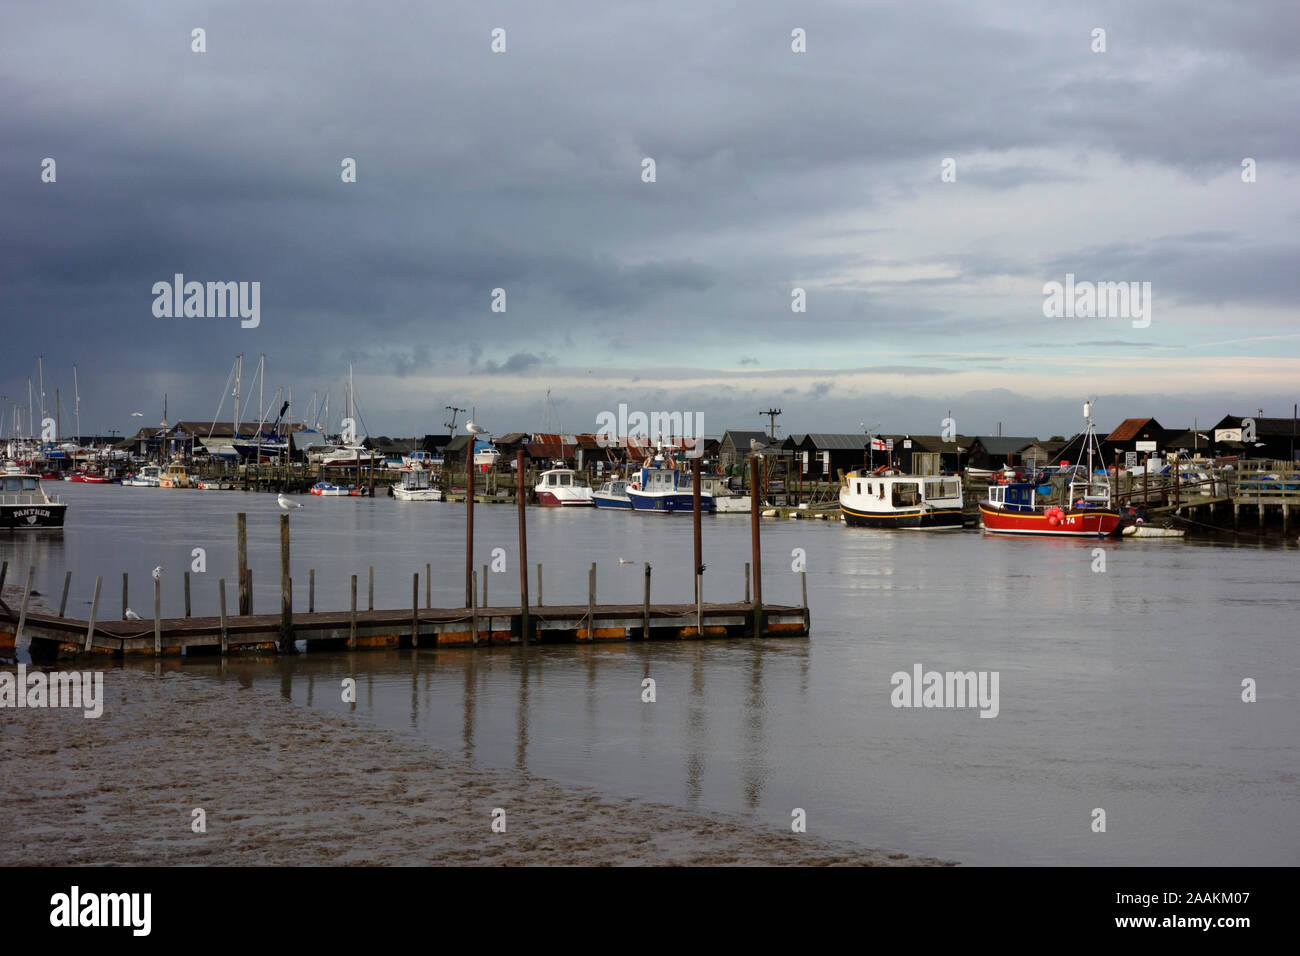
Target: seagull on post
(288, 504)
(757, 447)
(157, 573)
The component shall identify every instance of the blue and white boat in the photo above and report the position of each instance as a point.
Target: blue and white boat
(662, 488)
(613, 494)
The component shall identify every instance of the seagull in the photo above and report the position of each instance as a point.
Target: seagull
(475, 429)
(137, 414)
(757, 446)
(131, 615)
(624, 561)
(157, 573)
(288, 504)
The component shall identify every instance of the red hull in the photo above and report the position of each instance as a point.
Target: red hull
(1076, 523)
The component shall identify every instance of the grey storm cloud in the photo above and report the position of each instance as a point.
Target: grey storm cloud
(522, 171)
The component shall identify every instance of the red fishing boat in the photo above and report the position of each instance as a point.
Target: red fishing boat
(1027, 508)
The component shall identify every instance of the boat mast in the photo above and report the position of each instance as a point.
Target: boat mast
(261, 408)
(76, 389)
(239, 371)
(40, 371)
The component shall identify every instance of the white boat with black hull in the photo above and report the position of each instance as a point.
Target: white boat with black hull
(889, 499)
(24, 505)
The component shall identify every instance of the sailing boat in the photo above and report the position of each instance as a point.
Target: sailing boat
(1024, 508)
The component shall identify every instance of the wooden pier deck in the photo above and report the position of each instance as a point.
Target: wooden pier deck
(52, 636)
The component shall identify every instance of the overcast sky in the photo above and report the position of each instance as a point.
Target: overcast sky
(775, 170)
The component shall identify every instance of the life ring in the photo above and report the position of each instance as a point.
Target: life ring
(636, 485)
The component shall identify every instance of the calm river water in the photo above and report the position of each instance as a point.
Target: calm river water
(1119, 689)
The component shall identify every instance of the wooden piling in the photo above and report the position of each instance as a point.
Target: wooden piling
(469, 522)
(415, 610)
(63, 601)
(124, 596)
(221, 595)
(473, 607)
(645, 606)
(428, 586)
(757, 556)
(187, 594)
(311, 590)
(241, 548)
(157, 616)
(484, 602)
(286, 590)
(699, 547)
(22, 613)
(523, 548)
(370, 604)
(803, 587)
(591, 602)
(540, 603)
(94, 607)
(746, 582)
(352, 623)
(249, 574)
(4, 573)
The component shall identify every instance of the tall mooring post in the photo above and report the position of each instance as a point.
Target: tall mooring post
(756, 558)
(523, 547)
(699, 546)
(469, 522)
(286, 590)
(241, 549)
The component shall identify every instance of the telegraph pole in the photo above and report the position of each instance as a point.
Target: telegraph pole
(771, 414)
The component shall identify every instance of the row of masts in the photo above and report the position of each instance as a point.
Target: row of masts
(33, 433)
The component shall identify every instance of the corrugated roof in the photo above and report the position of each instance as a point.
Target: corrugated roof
(741, 438)
(1130, 428)
(831, 441)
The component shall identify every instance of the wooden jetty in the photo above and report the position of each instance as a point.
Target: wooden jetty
(476, 624)
(52, 636)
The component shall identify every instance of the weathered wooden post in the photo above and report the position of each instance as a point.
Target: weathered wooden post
(803, 586)
(286, 590)
(645, 606)
(746, 582)
(311, 590)
(157, 615)
(520, 500)
(757, 556)
(428, 586)
(370, 605)
(352, 623)
(124, 596)
(90, 626)
(699, 547)
(22, 613)
(591, 602)
(469, 521)
(241, 547)
(415, 610)
(221, 596)
(187, 594)
(473, 607)
(249, 575)
(63, 601)
(484, 602)
(540, 602)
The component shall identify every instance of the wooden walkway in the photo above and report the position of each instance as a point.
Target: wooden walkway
(53, 636)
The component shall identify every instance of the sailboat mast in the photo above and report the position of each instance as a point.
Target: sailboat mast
(76, 389)
(239, 371)
(40, 371)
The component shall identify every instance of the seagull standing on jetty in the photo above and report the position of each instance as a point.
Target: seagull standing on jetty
(131, 615)
(288, 504)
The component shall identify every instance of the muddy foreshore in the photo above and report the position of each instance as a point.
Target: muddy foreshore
(282, 784)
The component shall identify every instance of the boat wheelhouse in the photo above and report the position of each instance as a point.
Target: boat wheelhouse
(24, 505)
(415, 486)
(886, 498)
(418, 459)
(559, 487)
(613, 495)
(725, 501)
(174, 476)
(146, 477)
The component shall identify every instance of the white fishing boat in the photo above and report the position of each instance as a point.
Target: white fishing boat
(559, 487)
(415, 486)
(146, 477)
(613, 495)
(724, 499)
(24, 505)
(420, 459)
